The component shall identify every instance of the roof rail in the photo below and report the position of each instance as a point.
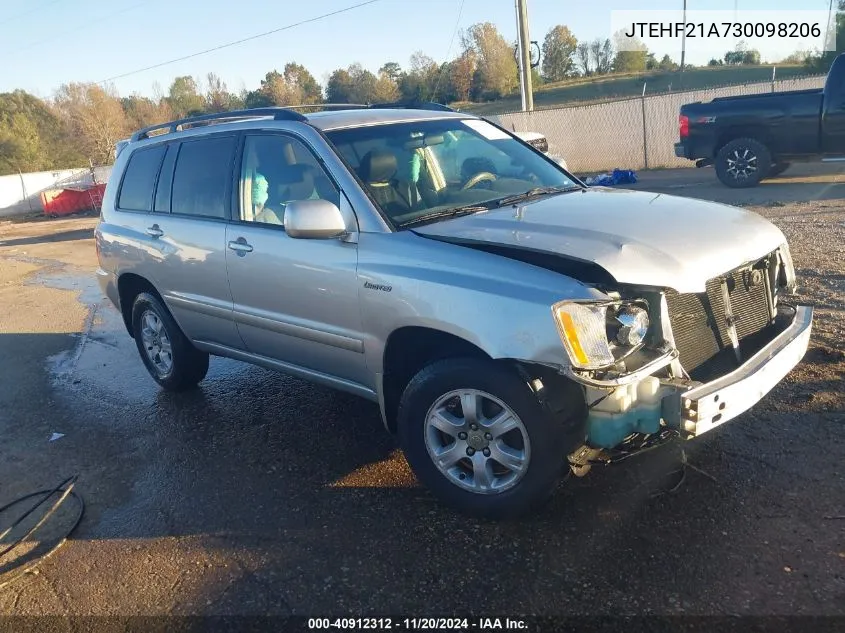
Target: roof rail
(404, 105)
(329, 106)
(278, 114)
(415, 105)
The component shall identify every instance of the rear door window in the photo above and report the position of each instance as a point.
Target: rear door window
(202, 179)
(136, 192)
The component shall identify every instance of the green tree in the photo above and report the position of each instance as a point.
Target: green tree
(217, 96)
(339, 88)
(20, 145)
(742, 55)
(667, 65)
(797, 57)
(143, 111)
(631, 54)
(558, 53)
(392, 70)
(496, 72)
(301, 84)
(419, 82)
(354, 84)
(601, 52)
(184, 98)
(57, 147)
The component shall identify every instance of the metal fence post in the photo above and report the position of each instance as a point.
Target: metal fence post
(645, 129)
(23, 189)
(774, 68)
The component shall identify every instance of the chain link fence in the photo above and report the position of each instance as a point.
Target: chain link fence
(637, 133)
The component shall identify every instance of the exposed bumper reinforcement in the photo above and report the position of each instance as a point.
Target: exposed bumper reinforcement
(707, 406)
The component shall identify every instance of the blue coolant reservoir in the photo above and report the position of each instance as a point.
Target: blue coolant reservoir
(626, 410)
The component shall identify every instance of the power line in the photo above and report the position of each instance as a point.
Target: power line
(449, 50)
(108, 16)
(25, 13)
(241, 41)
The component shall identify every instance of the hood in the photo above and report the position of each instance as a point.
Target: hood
(640, 238)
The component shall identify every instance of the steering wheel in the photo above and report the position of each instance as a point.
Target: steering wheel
(478, 178)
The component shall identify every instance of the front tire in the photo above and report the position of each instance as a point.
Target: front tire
(743, 163)
(170, 358)
(478, 438)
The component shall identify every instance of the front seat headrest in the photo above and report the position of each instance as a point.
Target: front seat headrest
(296, 182)
(378, 166)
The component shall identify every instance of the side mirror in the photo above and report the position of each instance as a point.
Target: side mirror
(313, 219)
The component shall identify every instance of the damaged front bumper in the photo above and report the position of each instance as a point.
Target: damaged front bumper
(621, 408)
(703, 407)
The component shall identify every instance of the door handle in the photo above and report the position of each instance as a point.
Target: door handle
(154, 231)
(240, 246)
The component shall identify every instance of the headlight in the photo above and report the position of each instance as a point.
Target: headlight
(597, 335)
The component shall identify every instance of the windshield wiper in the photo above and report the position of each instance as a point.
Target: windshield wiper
(534, 193)
(447, 213)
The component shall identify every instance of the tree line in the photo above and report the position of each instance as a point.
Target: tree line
(83, 121)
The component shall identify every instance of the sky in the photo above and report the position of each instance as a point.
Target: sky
(45, 43)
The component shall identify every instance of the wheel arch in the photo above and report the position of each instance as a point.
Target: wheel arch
(410, 348)
(407, 350)
(725, 136)
(129, 286)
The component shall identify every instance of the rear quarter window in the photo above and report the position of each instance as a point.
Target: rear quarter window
(136, 192)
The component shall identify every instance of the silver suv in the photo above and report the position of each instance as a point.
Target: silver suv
(511, 323)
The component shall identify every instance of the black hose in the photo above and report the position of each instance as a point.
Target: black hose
(67, 492)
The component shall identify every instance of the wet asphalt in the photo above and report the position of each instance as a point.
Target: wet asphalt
(262, 494)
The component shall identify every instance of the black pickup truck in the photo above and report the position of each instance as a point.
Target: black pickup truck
(749, 138)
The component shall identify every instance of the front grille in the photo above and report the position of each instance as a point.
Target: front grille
(700, 327)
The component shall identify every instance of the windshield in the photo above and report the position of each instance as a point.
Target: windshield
(429, 170)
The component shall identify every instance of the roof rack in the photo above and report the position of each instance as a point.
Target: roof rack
(329, 106)
(405, 105)
(278, 114)
(414, 105)
(286, 113)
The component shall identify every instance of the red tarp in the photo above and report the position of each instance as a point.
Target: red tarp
(67, 201)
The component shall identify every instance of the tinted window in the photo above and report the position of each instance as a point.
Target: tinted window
(276, 170)
(136, 193)
(165, 180)
(201, 179)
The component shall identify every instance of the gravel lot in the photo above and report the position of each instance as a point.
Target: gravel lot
(261, 494)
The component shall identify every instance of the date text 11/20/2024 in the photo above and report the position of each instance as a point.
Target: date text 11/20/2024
(418, 624)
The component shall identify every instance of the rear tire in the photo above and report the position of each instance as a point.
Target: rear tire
(742, 163)
(170, 358)
(778, 168)
(460, 465)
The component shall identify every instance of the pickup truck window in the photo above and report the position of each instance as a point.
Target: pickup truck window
(428, 169)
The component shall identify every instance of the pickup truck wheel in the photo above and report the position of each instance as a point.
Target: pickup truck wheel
(476, 436)
(743, 162)
(173, 362)
(778, 168)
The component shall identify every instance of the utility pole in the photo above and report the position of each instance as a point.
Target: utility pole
(524, 56)
(684, 37)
